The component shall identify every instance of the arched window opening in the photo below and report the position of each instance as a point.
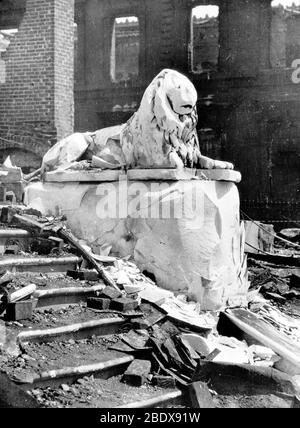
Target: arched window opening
(285, 33)
(6, 37)
(125, 49)
(204, 44)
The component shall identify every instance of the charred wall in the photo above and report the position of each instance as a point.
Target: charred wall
(248, 108)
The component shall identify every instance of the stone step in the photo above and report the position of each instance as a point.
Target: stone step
(39, 264)
(68, 375)
(14, 233)
(65, 296)
(18, 237)
(78, 331)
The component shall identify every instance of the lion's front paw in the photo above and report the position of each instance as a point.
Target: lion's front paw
(223, 165)
(175, 160)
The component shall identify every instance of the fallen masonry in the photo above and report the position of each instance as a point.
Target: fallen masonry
(65, 333)
(74, 342)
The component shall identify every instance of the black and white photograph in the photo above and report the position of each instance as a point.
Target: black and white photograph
(149, 207)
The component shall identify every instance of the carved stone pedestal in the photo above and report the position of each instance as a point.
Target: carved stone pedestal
(182, 229)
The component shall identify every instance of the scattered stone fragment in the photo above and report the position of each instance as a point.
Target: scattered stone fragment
(137, 373)
(8, 213)
(27, 357)
(200, 396)
(20, 310)
(98, 303)
(109, 293)
(21, 294)
(83, 275)
(133, 288)
(124, 304)
(198, 343)
(123, 278)
(141, 324)
(65, 387)
(135, 340)
(164, 381)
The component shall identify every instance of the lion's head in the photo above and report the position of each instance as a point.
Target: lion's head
(162, 132)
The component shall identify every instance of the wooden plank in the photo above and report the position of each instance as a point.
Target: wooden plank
(69, 238)
(277, 259)
(76, 331)
(266, 334)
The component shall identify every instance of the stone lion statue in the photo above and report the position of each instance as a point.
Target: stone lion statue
(161, 134)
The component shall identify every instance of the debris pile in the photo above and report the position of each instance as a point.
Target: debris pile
(152, 338)
(12, 183)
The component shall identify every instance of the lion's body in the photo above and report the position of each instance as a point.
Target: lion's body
(161, 134)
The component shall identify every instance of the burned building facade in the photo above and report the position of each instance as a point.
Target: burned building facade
(240, 58)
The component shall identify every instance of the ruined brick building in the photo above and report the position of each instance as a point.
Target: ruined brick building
(83, 66)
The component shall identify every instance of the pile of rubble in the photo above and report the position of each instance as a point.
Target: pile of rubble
(167, 341)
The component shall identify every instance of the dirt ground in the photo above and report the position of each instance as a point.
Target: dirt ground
(90, 392)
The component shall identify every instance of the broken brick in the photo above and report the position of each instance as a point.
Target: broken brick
(137, 373)
(109, 293)
(98, 303)
(140, 324)
(8, 212)
(164, 381)
(83, 275)
(20, 310)
(124, 304)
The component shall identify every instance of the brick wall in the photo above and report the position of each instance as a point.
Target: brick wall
(64, 66)
(36, 100)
